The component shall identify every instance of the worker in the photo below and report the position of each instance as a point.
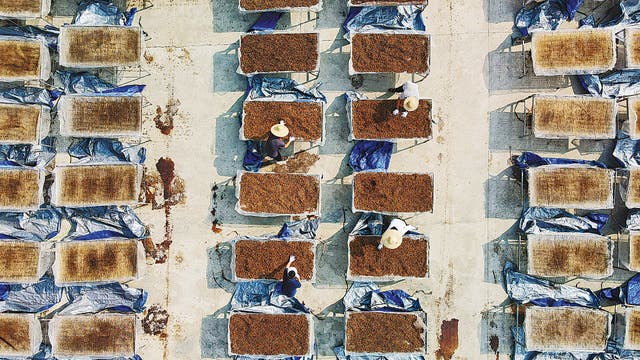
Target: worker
(275, 141)
(408, 100)
(392, 237)
(290, 279)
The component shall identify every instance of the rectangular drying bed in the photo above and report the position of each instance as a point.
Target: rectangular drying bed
(261, 258)
(23, 262)
(305, 119)
(93, 336)
(631, 317)
(582, 117)
(367, 263)
(84, 115)
(571, 186)
(633, 113)
(280, 5)
(23, 59)
(629, 252)
(392, 193)
(100, 46)
(397, 52)
(379, 333)
(372, 119)
(386, 2)
(553, 329)
(632, 48)
(24, 9)
(279, 52)
(271, 194)
(21, 335)
(96, 184)
(569, 254)
(630, 187)
(23, 123)
(97, 261)
(573, 52)
(271, 335)
(21, 189)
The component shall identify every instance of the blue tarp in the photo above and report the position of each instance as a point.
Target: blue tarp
(28, 155)
(45, 354)
(102, 12)
(107, 150)
(525, 289)
(546, 16)
(535, 220)
(627, 293)
(366, 296)
(264, 297)
(368, 224)
(633, 219)
(101, 222)
(114, 297)
(627, 151)
(28, 95)
(253, 156)
(86, 83)
(300, 229)
(32, 298)
(378, 18)
(282, 89)
(529, 159)
(48, 34)
(266, 22)
(628, 13)
(31, 226)
(612, 85)
(370, 155)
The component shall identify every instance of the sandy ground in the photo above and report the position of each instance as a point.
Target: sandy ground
(191, 58)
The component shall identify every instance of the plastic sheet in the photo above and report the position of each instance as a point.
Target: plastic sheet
(264, 297)
(368, 224)
(546, 16)
(340, 355)
(86, 83)
(372, 18)
(28, 95)
(45, 354)
(28, 155)
(32, 298)
(103, 222)
(612, 85)
(106, 151)
(529, 159)
(114, 297)
(525, 289)
(536, 220)
(100, 12)
(32, 226)
(267, 21)
(520, 353)
(627, 151)
(627, 293)
(300, 229)
(633, 220)
(282, 89)
(370, 155)
(366, 296)
(48, 34)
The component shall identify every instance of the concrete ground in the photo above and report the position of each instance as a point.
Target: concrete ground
(191, 57)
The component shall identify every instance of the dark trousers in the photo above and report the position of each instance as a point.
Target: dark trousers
(398, 89)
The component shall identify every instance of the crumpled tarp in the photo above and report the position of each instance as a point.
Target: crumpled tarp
(28, 155)
(366, 296)
(633, 219)
(529, 159)
(37, 225)
(93, 299)
(102, 12)
(107, 150)
(49, 34)
(100, 222)
(378, 18)
(252, 160)
(45, 354)
(266, 22)
(86, 83)
(613, 84)
(264, 297)
(368, 224)
(627, 293)
(300, 229)
(627, 150)
(28, 95)
(525, 289)
(370, 155)
(341, 355)
(32, 298)
(536, 220)
(628, 13)
(546, 16)
(282, 89)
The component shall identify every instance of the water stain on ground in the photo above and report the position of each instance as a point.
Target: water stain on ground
(155, 321)
(494, 344)
(448, 339)
(165, 119)
(300, 163)
(148, 57)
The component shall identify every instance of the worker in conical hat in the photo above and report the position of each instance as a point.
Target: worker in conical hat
(392, 237)
(290, 278)
(276, 141)
(409, 98)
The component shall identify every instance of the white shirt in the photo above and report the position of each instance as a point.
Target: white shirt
(409, 89)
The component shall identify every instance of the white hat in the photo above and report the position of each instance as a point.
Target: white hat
(391, 239)
(280, 130)
(411, 103)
